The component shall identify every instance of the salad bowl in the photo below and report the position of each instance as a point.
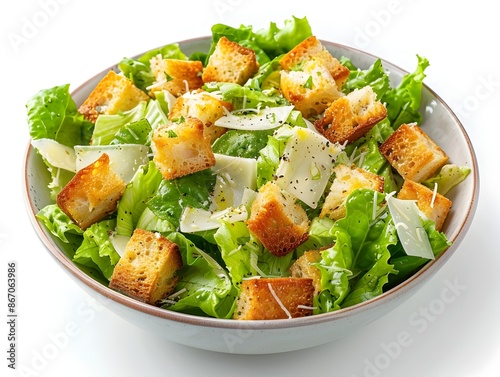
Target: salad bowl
(282, 335)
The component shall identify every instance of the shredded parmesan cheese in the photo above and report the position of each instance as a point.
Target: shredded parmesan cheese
(434, 193)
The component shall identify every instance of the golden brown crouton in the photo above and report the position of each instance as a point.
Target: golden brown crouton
(230, 62)
(275, 298)
(277, 220)
(412, 153)
(311, 89)
(434, 205)
(204, 107)
(304, 267)
(114, 93)
(175, 75)
(347, 179)
(182, 148)
(311, 78)
(147, 269)
(350, 117)
(92, 193)
(312, 48)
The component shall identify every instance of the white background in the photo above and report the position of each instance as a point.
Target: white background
(72, 40)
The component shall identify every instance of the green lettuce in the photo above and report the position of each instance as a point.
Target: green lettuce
(132, 204)
(448, 177)
(176, 194)
(375, 76)
(139, 70)
(129, 125)
(204, 284)
(53, 114)
(96, 250)
(58, 223)
(268, 42)
(245, 256)
(241, 143)
(335, 266)
(403, 101)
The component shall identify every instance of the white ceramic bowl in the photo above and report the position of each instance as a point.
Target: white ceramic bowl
(263, 337)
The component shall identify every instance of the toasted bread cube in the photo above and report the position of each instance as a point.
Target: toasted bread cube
(277, 220)
(350, 117)
(147, 270)
(312, 48)
(413, 154)
(180, 149)
(204, 107)
(434, 205)
(311, 78)
(274, 298)
(175, 75)
(312, 89)
(114, 93)
(230, 62)
(304, 267)
(92, 193)
(347, 179)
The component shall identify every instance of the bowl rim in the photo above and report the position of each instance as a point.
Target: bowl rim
(189, 319)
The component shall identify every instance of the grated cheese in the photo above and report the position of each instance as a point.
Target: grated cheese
(434, 193)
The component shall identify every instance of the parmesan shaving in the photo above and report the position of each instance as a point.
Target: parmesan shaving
(306, 307)
(271, 289)
(434, 193)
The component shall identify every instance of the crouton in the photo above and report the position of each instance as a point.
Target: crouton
(311, 89)
(350, 117)
(147, 270)
(274, 298)
(204, 107)
(434, 205)
(230, 62)
(277, 220)
(347, 179)
(312, 48)
(175, 75)
(114, 93)
(304, 267)
(92, 193)
(412, 153)
(181, 148)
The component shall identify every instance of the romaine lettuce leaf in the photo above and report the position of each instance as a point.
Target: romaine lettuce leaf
(204, 284)
(245, 256)
(276, 41)
(176, 194)
(53, 114)
(139, 70)
(335, 266)
(138, 132)
(375, 76)
(107, 125)
(448, 177)
(58, 223)
(241, 143)
(132, 204)
(403, 101)
(96, 250)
